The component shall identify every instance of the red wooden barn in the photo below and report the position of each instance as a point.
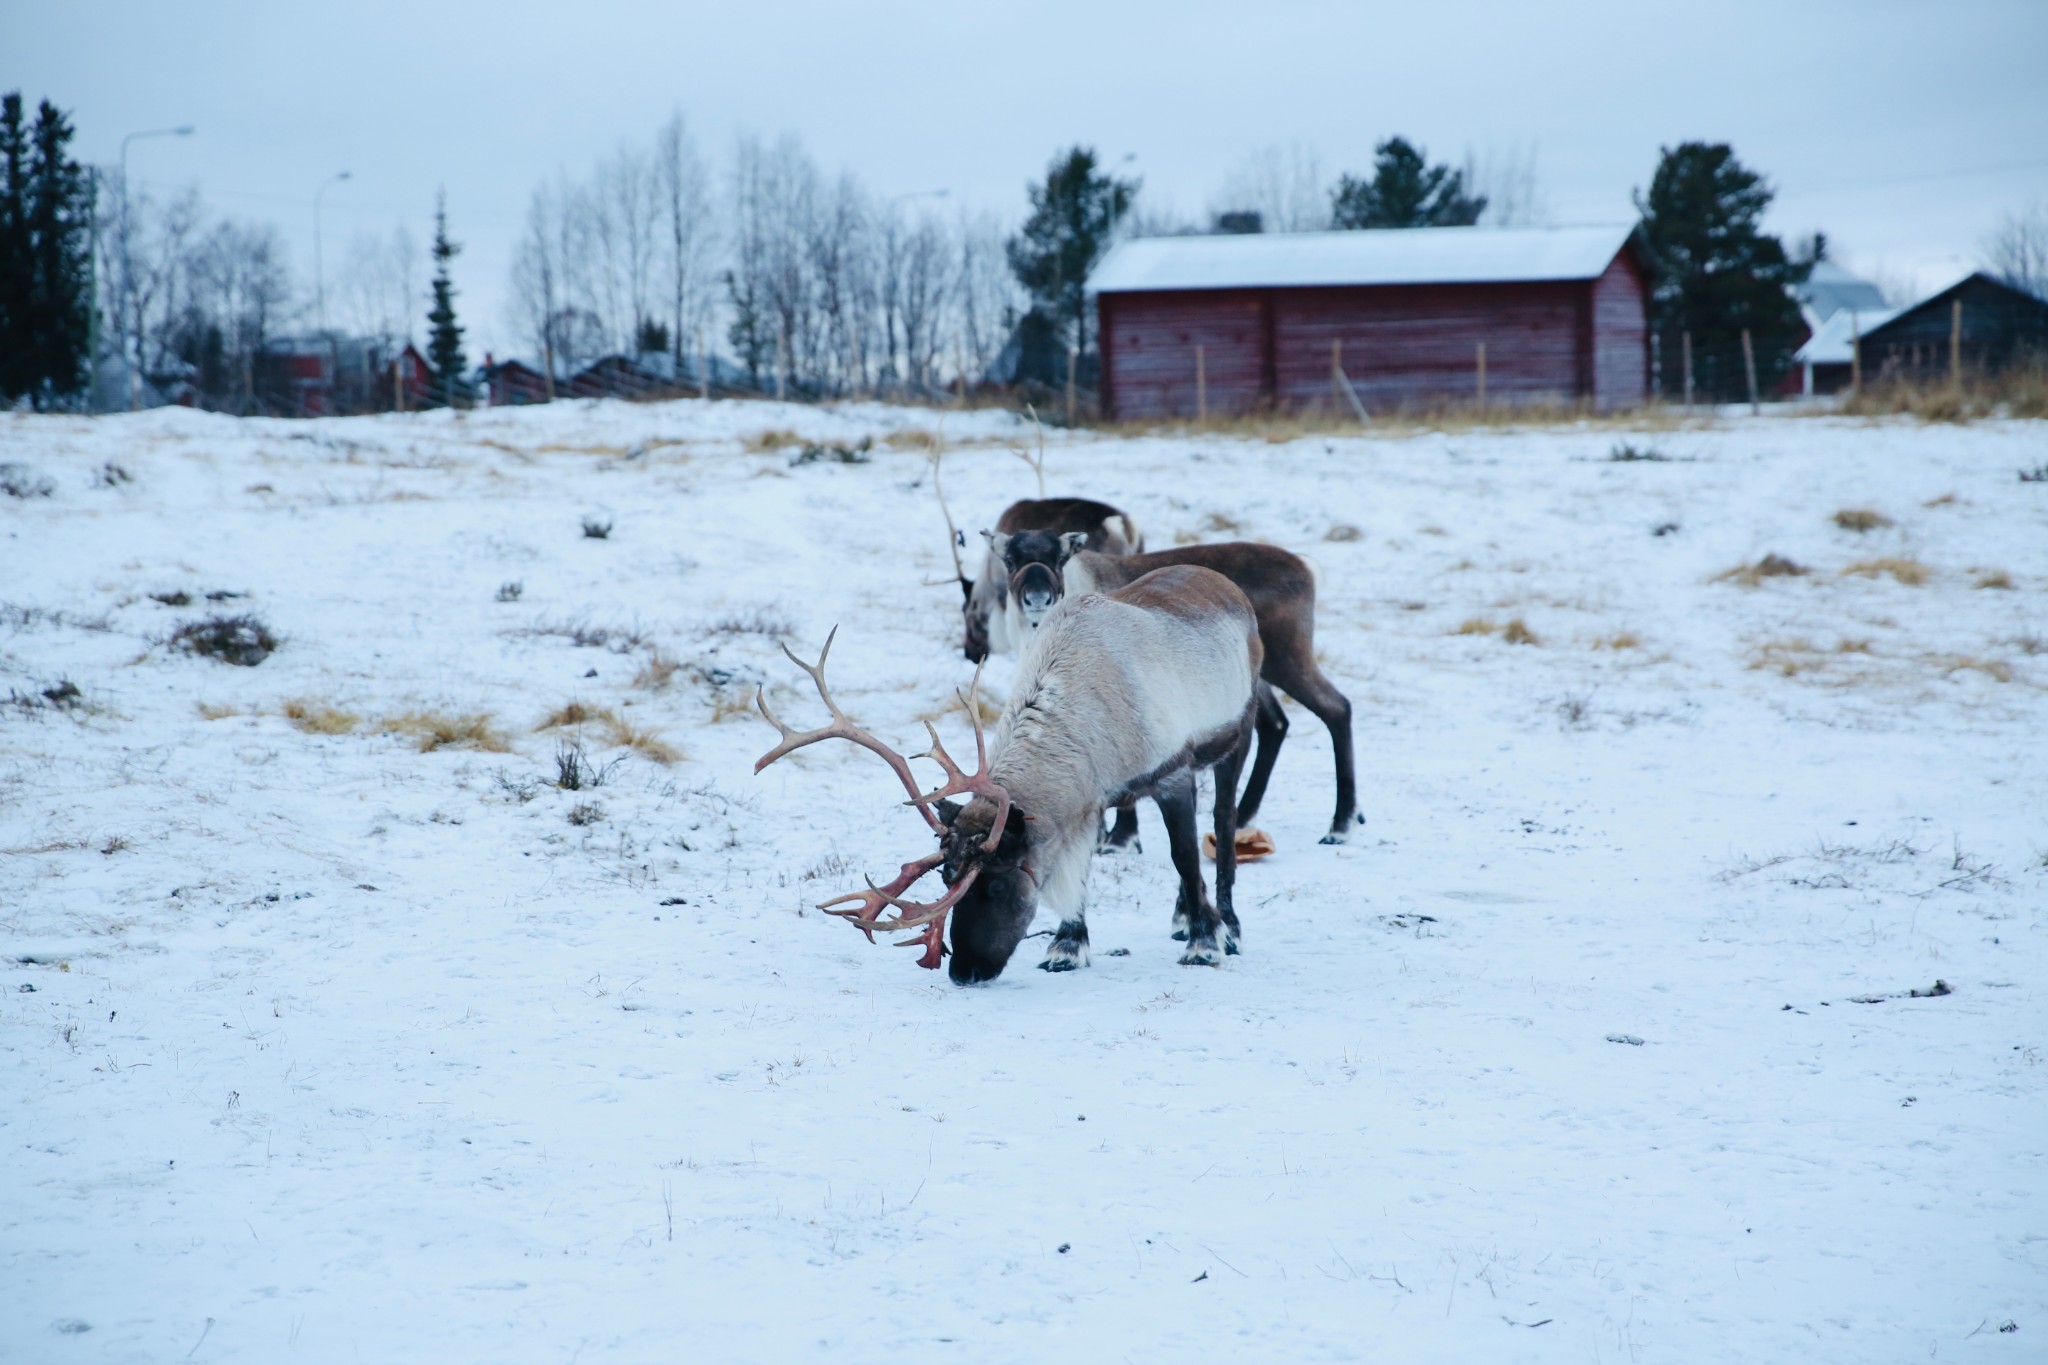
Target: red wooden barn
(1233, 324)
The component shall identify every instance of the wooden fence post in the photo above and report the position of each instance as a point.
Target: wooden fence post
(1201, 387)
(1686, 339)
(1955, 345)
(1482, 376)
(1749, 369)
(1073, 362)
(1855, 353)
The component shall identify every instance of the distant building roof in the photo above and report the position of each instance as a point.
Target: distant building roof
(1832, 341)
(1829, 289)
(1464, 255)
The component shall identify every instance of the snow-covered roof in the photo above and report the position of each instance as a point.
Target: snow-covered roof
(1466, 255)
(1833, 340)
(1829, 289)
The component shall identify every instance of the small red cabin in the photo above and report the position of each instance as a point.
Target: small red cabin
(1408, 317)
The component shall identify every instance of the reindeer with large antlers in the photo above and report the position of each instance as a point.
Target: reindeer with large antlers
(1120, 696)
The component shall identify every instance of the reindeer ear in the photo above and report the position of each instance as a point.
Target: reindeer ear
(1072, 543)
(999, 544)
(947, 810)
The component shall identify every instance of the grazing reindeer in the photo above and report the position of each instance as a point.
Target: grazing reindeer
(1043, 568)
(1121, 695)
(1104, 529)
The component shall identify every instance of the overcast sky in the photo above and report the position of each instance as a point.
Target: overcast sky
(1903, 129)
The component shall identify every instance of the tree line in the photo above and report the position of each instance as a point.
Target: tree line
(796, 281)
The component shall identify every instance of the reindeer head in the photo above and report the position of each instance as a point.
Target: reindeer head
(991, 918)
(972, 840)
(1035, 562)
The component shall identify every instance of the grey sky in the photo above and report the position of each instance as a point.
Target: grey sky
(1902, 129)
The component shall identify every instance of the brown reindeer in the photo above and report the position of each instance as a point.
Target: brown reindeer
(1119, 695)
(1103, 529)
(1043, 568)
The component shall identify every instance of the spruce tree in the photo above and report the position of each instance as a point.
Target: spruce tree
(1405, 192)
(60, 281)
(444, 340)
(1717, 272)
(1073, 215)
(17, 261)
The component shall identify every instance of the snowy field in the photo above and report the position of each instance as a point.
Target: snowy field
(332, 1029)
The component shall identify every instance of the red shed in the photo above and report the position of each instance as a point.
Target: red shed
(1402, 313)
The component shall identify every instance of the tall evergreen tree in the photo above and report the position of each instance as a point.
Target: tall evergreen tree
(1073, 216)
(17, 259)
(1717, 271)
(60, 285)
(1405, 192)
(444, 340)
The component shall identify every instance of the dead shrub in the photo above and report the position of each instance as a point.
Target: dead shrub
(1908, 571)
(20, 481)
(176, 597)
(585, 813)
(1517, 632)
(1860, 519)
(754, 621)
(439, 730)
(1627, 452)
(1770, 566)
(240, 640)
(315, 718)
(574, 771)
(859, 453)
(511, 590)
(593, 529)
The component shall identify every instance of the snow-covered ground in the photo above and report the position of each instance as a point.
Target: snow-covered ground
(1593, 1045)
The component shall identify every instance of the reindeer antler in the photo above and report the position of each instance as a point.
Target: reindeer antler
(866, 915)
(1037, 465)
(937, 454)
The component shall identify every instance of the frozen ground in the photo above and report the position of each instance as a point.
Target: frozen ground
(321, 1046)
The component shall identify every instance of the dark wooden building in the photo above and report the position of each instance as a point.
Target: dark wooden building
(2000, 327)
(1234, 324)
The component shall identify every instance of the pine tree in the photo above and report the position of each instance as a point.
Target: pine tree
(1405, 192)
(60, 283)
(17, 260)
(444, 342)
(1073, 215)
(1717, 272)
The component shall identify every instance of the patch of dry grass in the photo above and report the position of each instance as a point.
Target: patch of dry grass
(772, 625)
(318, 718)
(1902, 568)
(956, 705)
(576, 713)
(1861, 519)
(642, 740)
(441, 730)
(1343, 534)
(1950, 664)
(1517, 632)
(774, 438)
(1222, 523)
(1997, 579)
(1770, 566)
(657, 672)
(210, 711)
(1476, 625)
(1945, 500)
(1621, 639)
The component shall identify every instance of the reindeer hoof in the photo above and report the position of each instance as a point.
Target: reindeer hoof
(1065, 955)
(1111, 848)
(1202, 954)
(1335, 836)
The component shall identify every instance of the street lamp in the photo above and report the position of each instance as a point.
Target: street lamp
(127, 263)
(319, 272)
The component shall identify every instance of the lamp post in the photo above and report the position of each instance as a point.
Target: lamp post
(128, 359)
(319, 271)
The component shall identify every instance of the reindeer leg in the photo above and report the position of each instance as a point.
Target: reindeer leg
(1123, 837)
(1194, 918)
(1272, 725)
(1227, 769)
(1065, 893)
(1306, 684)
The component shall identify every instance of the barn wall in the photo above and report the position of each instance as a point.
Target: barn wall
(2000, 327)
(1149, 345)
(1417, 345)
(1621, 335)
